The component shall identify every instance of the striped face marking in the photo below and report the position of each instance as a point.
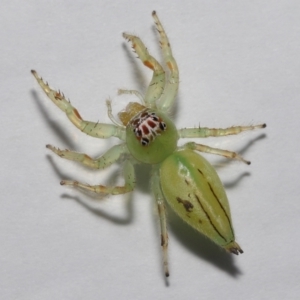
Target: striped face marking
(146, 126)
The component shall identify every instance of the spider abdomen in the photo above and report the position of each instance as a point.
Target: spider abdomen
(194, 190)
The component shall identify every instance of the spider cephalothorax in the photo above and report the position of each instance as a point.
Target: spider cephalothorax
(148, 135)
(146, 126)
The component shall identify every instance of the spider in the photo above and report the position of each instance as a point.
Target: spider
(180, 175)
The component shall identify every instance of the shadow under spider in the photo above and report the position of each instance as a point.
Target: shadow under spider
(223, 162)
(103, 214)
(200, 245)
(142, 184)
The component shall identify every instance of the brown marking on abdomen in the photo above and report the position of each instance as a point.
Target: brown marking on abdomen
(209, 219)
(186, 204)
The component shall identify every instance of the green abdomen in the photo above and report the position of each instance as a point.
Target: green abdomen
(194, 190)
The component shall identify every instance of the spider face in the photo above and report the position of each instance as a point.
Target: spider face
(151, 136)
(146, 126)
(180, 175)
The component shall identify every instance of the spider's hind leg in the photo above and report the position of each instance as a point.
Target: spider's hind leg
(162, 218)
(129, 185)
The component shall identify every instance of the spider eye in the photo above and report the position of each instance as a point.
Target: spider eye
(162, 126)
(154, 117)
(144, 141)
(137, 132)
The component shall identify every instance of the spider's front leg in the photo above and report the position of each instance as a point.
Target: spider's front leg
(99, 130)
(157, 83)
(168, 97)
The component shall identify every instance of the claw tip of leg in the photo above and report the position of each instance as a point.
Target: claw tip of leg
(34, 73)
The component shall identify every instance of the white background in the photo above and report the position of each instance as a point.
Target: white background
(239, 64)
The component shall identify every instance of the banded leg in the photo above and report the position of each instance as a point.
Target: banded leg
(99, 130)
(129, 176)
(157, 83)
(168, 97)
(207, 149)
(203, 132)
(102, 162)
(162, 219)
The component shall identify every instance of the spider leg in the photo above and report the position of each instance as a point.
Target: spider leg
(203, 132)
(157, 83)
(102, 162)
(99, 130)
(168, 97)
(162, 218)
(129, 176)
(207, 149)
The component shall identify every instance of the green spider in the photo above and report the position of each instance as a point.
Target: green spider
(182, 177)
